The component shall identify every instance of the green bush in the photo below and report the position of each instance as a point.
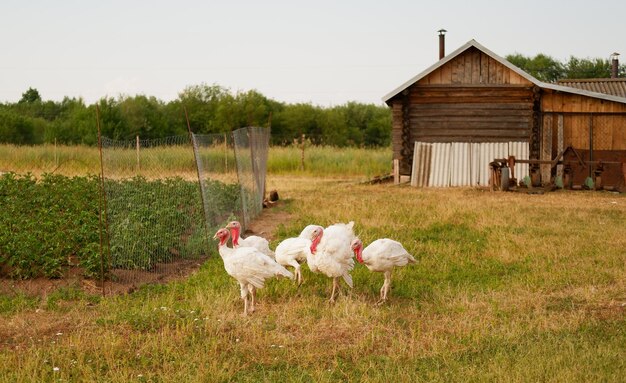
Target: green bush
(48, 224)
(52, 223)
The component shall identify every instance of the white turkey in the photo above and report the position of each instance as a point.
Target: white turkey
(294, 251)
(249, 267)
(308, 231)
(334, 254)
(382, 255)
(255, 241)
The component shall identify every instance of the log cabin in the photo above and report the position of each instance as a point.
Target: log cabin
(472, 106)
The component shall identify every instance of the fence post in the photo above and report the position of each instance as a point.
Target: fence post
(56, 154)
(225, 153)
(103, 221)
(137, 145)
(396, 171)
(302, 156)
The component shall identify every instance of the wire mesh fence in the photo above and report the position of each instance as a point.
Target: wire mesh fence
(217, 172)
(164, 197)
(251, 151)
(153, 206)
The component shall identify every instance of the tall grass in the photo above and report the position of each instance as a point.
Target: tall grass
(508, 287)
(174, 160)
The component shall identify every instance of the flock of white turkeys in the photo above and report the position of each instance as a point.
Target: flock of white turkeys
(328, 251)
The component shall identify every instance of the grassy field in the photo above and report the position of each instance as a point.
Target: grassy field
(508, 288)
(173, 161)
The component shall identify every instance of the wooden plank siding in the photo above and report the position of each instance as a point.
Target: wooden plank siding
(396, 129)
(470, 113)
(580, 112)
(473, 97)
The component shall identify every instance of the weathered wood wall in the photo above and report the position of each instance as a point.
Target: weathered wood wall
(472, 98)
(580, 115)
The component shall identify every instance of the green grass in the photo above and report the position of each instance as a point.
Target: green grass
(507, 288)
(178, 160)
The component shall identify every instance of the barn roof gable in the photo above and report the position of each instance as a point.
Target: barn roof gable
(506, 63)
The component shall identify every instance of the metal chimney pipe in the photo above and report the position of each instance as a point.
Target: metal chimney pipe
(614, 64)
(442, 43)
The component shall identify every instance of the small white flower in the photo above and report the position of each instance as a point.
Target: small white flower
(237, 340)
(59, 333)
(55, 369)
(140, 376)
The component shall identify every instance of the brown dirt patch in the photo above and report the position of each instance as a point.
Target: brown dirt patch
(126, 281)
(265, 225)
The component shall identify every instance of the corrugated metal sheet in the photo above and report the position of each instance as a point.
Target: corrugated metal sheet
(475, 164)
(443, 164)
(460, 164)
(611, 86)
(440, 165)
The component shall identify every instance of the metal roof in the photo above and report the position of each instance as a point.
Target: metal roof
(506, 63)
(612, 86)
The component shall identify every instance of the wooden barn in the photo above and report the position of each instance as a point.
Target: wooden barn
(473, 106)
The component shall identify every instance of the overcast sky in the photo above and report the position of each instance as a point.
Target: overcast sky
(321, 52)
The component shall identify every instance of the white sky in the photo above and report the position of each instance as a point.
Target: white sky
(317, 51)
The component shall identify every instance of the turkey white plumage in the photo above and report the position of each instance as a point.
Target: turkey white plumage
(333, 257)
(382, 255)
(255, 241)
(294, 251)
(249, 267)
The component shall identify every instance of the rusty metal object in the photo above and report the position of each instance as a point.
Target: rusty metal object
(607, 171)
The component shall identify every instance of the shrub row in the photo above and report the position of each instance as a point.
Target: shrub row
(52, 223)
(48, 224)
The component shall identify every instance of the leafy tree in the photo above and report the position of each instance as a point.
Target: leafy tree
(76, 124)
(15, 128)
(30, 96)
(587, 68)
(546, 68)
(295, 120)
(254, 108)
(202, 102)
(542, 67)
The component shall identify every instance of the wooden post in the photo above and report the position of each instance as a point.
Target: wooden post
(559, 168)
(225, 153)
(396, 171)
(137, 145)
(302, 156)
(546, 148)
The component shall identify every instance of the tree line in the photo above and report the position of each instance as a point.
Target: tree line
(211, 109)
(215, 109)
(547, 68)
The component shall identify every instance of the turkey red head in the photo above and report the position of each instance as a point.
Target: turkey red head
(316, 237)
(357, 247)
(235, 230)
(222, 235)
